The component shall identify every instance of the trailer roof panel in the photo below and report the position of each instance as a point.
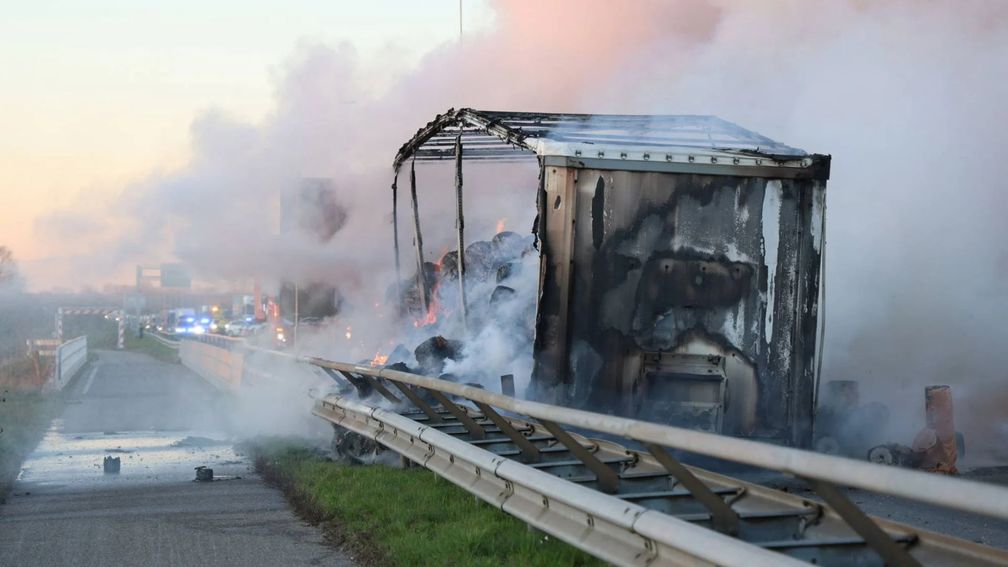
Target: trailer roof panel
(693, 140)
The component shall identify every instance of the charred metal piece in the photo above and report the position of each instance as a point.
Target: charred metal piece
(395, 234)
(418, 240)
(460, 226)
(204, 474)
(507, 385)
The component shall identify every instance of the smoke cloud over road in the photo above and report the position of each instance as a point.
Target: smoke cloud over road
(907, 97)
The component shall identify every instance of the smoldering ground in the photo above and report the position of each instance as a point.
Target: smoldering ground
(907, 98)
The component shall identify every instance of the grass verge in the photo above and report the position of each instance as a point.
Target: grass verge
(151, 347)
(390, 516)
(24, 418)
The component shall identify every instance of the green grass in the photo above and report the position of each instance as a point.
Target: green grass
(391, 516)
(24, 417)
(151, 347)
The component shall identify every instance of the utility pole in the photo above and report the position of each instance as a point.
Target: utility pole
(460, 21)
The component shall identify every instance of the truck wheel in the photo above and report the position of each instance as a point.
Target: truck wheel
(881, 455)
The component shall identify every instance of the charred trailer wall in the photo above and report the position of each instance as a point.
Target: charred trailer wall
(682, 297)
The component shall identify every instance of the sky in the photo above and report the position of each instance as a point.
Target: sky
(96, 95)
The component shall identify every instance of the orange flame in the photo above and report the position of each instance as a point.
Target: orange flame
(435, 304)
(500, 225)
(379, 359)
(431, 317)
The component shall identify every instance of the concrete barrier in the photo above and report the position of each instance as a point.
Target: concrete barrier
(221, 367)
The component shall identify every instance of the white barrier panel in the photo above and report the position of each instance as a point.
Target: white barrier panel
(70, 358)
(221, 367)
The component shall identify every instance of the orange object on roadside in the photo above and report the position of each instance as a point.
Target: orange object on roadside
(936, 444)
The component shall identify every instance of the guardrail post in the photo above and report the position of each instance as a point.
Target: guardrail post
(527, 448)
(890, 551)
(377, 385)
(608, 480)
(419, 402)
(359, 384)
(474, 428)
(725, 519)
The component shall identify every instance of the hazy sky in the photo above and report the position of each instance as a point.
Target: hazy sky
(96, 94)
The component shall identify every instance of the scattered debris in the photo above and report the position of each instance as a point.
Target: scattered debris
(508, 385)
(936, 448)
(196, 442)
(112, 465)
(355, 449)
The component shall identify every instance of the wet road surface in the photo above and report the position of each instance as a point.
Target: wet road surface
(161, 421)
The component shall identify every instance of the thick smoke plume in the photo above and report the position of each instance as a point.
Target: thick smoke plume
(908, 97)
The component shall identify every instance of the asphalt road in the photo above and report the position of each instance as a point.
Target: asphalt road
(162, 421)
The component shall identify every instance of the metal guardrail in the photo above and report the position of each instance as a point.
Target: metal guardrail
(643, 506)
(69, 359)
(831, 531)
(174, 344)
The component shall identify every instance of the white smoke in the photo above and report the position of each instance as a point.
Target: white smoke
(908, 97)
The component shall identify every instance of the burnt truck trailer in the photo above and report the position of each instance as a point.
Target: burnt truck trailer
(679, 263)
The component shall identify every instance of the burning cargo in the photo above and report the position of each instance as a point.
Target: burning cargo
(679, 261)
